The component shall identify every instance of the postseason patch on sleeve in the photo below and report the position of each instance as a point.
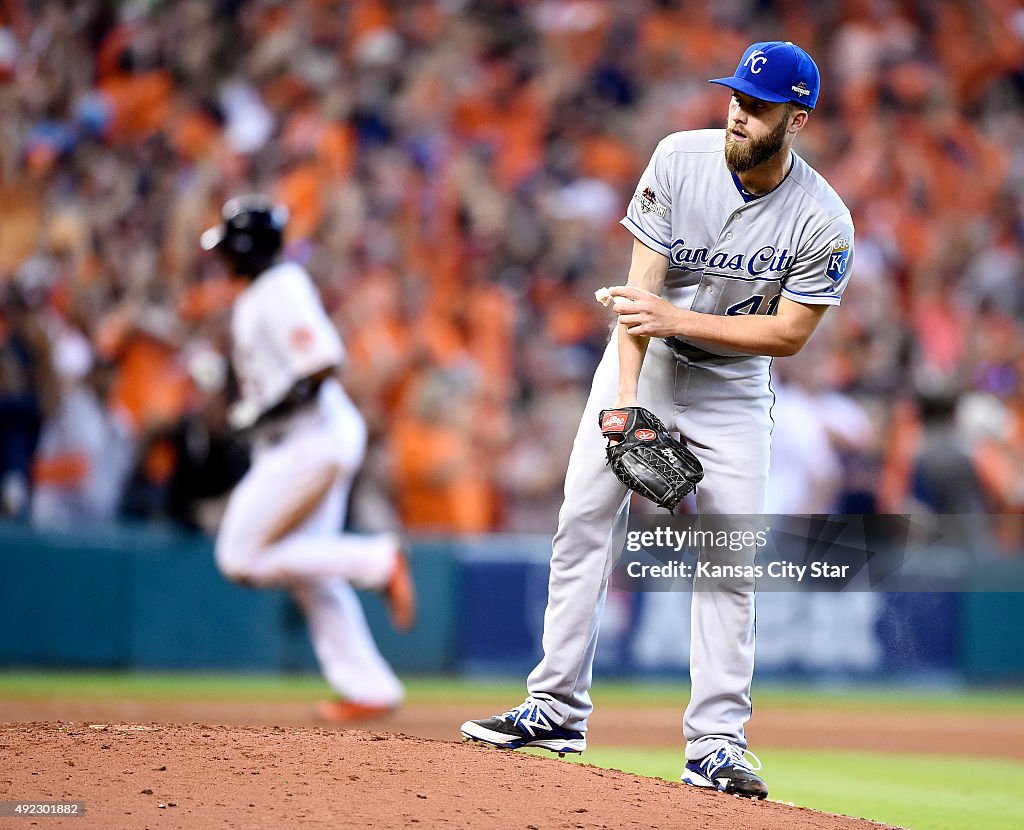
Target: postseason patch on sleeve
(649, 203)
(835, 269)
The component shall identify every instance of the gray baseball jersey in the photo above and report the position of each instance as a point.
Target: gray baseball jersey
(729, 253)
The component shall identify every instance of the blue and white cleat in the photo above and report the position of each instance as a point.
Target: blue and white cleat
(728, 771)
(524, 726)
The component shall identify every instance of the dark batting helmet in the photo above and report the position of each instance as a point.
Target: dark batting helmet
(251, 235)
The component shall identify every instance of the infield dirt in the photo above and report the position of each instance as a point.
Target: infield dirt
(196, 776)
(866, 730)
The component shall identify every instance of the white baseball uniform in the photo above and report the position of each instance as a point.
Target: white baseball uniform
(281, 335)
(729, 253)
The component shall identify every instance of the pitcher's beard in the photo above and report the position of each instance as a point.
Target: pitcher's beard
(743, 156)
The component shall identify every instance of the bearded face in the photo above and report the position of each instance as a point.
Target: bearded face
(741, 156)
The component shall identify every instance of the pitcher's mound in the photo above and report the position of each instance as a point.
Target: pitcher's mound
(194, 776)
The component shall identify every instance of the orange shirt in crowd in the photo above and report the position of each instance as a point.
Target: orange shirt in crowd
(439, 486)
(142, 102)
(151, 385)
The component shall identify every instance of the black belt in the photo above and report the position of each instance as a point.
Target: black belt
(695, 354)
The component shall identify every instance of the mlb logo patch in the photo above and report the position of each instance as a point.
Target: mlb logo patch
(835, 268)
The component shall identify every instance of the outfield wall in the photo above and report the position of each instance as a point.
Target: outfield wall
(150, 597)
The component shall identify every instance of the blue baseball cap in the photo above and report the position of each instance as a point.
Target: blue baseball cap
(776, 71)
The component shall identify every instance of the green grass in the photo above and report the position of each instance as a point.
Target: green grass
(161, 686)
(306, 687)
(914, 791)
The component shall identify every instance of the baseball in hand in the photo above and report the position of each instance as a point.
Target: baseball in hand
(603, 296)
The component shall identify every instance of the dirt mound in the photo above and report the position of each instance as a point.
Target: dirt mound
(195, 776)
(871, 730)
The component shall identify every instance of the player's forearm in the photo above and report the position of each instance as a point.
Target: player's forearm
(632, 350)
(752, 334)
(647, 271)
(781, 334)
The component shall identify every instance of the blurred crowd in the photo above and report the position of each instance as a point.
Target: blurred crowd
(455, 172)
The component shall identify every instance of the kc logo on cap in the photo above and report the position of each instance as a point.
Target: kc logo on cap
(776, 71)
(754, 60)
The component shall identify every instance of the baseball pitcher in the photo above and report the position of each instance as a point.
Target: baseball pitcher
(739, 249)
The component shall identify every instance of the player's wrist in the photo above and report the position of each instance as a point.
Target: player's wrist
(683, 322)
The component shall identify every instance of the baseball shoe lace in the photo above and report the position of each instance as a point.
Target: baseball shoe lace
(729, 755)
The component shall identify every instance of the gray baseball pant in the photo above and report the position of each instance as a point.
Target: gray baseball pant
(722, 407)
